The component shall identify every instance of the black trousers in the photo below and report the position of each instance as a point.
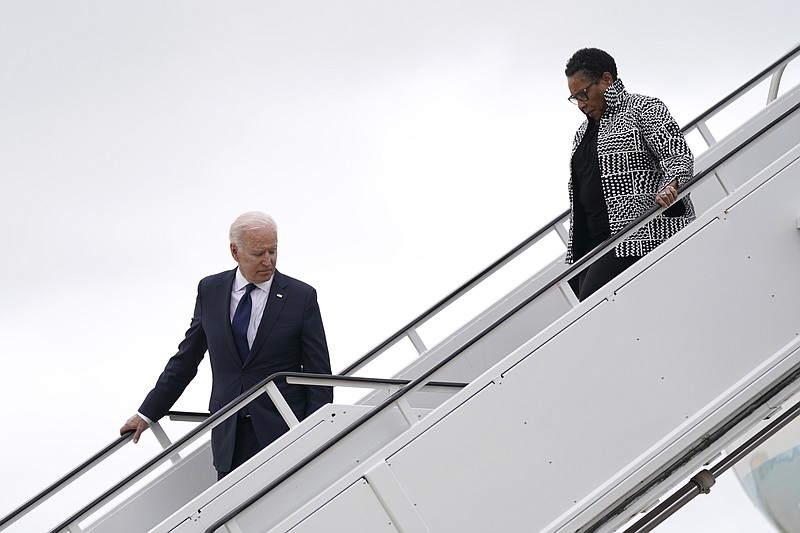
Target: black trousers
(246, 444)
(599, 273)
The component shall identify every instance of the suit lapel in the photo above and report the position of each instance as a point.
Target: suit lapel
(275, 301)
(222, 294)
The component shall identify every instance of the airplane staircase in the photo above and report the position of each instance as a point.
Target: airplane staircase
(541, 413)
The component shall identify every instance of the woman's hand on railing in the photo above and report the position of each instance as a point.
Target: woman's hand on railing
(667, 196)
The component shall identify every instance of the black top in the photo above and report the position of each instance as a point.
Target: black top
(589, 212)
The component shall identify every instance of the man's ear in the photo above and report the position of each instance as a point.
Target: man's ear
(234, 252)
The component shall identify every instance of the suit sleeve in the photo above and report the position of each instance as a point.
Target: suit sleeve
(180, 369)
(315, 358)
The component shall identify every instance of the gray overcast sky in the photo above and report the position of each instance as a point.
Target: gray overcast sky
(401, 146)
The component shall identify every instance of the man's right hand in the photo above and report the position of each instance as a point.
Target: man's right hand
(135, 423)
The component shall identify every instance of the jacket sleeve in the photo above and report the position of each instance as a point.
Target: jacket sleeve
(180, 369)
(667, 143)
(314, 356)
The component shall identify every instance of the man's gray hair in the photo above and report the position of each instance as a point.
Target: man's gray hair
(250, 221)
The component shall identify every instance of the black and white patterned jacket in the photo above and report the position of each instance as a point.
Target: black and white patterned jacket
(640, 149)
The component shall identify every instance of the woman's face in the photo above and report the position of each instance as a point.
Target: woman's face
(589, 93)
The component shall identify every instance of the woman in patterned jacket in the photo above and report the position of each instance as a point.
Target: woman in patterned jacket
(627, 154)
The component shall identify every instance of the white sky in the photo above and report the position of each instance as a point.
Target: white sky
(401, 146)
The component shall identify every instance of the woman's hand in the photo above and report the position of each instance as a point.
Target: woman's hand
(667, 196)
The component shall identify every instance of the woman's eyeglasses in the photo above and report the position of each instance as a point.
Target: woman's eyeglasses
(582, 95)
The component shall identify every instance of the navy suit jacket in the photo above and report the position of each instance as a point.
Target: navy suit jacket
(290, 338)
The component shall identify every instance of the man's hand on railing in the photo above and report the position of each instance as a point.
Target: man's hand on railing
(135, 423)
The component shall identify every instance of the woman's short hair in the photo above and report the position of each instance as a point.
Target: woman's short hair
(592, 62)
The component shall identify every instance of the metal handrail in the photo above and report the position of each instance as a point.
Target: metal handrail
(447, 300)
(573, 269)
(187, 416)
(214, 420)
(775, 67)
(73, 474)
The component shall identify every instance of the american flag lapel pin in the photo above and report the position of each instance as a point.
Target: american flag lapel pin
(279, 295)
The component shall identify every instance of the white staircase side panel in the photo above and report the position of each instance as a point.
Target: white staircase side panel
(160, 497)
(623, 385)
(355, 509)
(282, 455)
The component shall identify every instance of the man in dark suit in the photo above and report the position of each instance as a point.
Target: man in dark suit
(253, 321)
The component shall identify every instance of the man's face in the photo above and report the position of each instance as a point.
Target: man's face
(592, 90)
(257, 254)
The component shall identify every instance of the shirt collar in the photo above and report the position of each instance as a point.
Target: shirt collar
(239, 283)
